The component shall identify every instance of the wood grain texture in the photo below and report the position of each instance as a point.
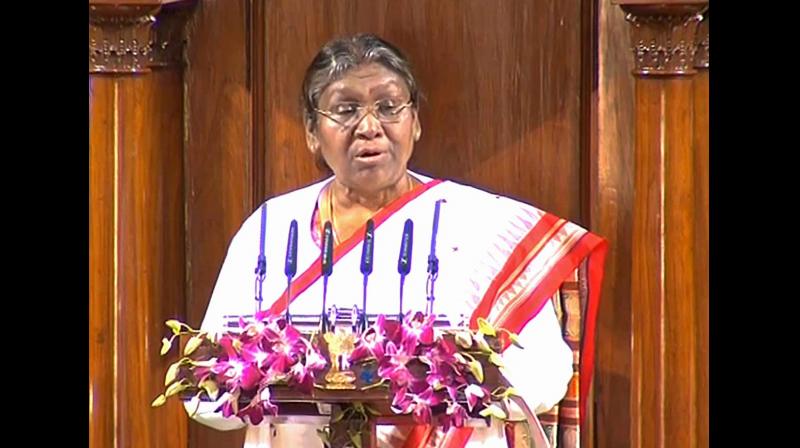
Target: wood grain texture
(502, 81)
(101, 264)
(663, 404)
(150, 254)
(701, 99)
(611, 203)
(219, 185)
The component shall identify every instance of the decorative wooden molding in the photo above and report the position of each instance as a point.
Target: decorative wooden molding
(701, 41)
(134, 38)
(663, 36)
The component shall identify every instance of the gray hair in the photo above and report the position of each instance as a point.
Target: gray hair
(341, 55)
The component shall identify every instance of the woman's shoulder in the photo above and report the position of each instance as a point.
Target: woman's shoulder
(476, 197)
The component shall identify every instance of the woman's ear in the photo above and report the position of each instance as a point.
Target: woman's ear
(311, 139)
(417, 128)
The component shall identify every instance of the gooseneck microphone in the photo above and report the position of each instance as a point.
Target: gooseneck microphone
(404, 260)
(327, 269)
(367, 250)
(290, 267)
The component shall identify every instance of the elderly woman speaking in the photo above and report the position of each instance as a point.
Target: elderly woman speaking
(498, 258)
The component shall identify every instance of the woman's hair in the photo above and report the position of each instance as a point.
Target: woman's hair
(341, 55)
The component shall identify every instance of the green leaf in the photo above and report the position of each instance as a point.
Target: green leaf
(510, 392)
(174, 388)
(477, 370)
(337, 416)
(482, 344)
(371, 410)
(175, 325)
(494, 411)
(211, 388)
(193, 343)
(160, 400)
(496, 359)
(172, 372)
(514, 339)
(463, 339)
(166, 344)
(355, 439)
(485, 327)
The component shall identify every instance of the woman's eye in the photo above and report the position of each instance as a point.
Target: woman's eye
(345, 109)
(386, 107)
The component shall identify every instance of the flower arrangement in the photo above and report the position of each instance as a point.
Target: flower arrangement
(428, 371)
(425, 370)
(266, 352)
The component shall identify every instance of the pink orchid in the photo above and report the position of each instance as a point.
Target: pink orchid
(419, 328)
(370, 345)
(394, 363)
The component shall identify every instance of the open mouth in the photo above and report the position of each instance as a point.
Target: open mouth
(369, 154)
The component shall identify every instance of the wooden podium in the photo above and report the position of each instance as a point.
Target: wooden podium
(366, 394)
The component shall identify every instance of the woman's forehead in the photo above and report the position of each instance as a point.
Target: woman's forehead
(366, 80)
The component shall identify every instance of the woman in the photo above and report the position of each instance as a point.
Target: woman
(498, 258)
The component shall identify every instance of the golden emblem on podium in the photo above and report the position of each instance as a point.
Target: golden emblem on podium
(340, 344)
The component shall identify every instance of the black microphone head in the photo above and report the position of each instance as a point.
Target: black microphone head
(406, 244)
(327, 249)
(290, 269)
(367, 248)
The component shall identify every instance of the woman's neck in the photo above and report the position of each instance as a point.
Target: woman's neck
(349, 208)
(346, 198)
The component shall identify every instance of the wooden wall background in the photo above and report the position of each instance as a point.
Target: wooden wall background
(535, 99)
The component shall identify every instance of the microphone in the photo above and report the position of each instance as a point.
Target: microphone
(327, 269)
(366, 268)
(433, 261)
(261, 265)
(367, 248)
(404, 260)
(290, 268)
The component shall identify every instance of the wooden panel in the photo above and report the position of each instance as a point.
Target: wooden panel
(150, 260)
(611, 200)
(701, 248)
(101, 261)
(218, 158)
(502, 80)
(663, 307)
(679, 294)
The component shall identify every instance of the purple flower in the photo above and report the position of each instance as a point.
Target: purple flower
(259, 407)
(370, 345)
(418, 327)
(394, 363)
(422, 404)
(285, 349)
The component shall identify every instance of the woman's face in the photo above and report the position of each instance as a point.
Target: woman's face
(368, 155)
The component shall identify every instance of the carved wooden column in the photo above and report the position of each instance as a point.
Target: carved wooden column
(664, 278)
(701, 64)
(136, 231)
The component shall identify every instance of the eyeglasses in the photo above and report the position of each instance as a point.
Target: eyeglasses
(350, 114)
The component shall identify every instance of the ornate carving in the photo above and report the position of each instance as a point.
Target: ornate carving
(663, 38)
(701, 57)
(133, 39)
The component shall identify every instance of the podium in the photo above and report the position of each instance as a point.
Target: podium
(374, 400)
(354, 398)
